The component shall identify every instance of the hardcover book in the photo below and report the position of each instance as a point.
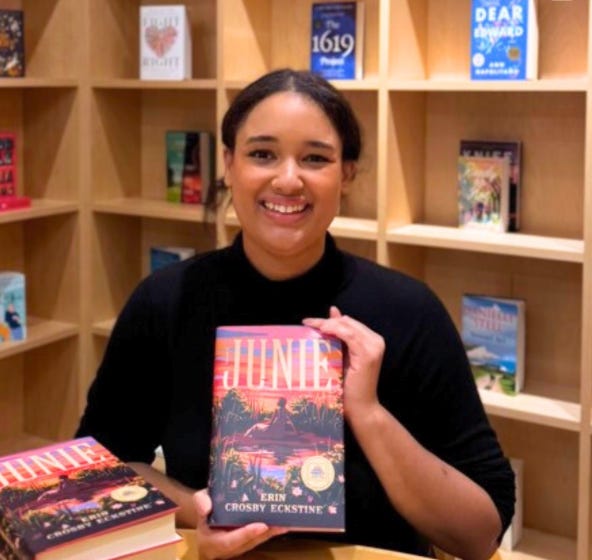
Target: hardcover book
(12, 44)
(484, 193)
(164, 256)
(165, 43)
(7, 164)
(13, 314)
(510, 150)
(75, 500)
(504, 40)
(189, 165)
(493, 334)
(277, 453)
(337, 40)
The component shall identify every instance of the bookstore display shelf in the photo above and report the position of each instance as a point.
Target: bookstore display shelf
(40, 208)
(133, 83)
(40, 332)
(33, 83)
(461, 83)
(151, 208)
(514, 244)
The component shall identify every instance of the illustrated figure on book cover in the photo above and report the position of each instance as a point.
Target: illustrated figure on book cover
(277, 445)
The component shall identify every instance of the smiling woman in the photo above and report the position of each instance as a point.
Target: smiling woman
(422, 464)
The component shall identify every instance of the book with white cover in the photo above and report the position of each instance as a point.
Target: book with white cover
(165, 43)
(514, 532)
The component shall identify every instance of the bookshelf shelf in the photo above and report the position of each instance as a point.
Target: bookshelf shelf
(133, 83)
(515, 244)
(40, 333)
(147, 208)
(576, 84)
(33, 83)
(40, 208)
(103, 328)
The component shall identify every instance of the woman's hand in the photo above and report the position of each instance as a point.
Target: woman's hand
(362, 358)
(214, 544)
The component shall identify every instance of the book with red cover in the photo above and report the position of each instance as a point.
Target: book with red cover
(7, 164)
(277, 453)
(76, 500)
(14, 202)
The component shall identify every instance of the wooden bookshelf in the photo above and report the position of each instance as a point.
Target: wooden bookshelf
(91, 156)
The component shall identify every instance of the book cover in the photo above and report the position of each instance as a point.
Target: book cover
(277, 451)
(504, 40)
(493, 334)
(511, 150)
(14, 202)
(12, 44)
(75, 500)
(165, 43)
(165, 256)
(513, 533)
(13, 314)
(337, 40)
(484, 193)
(7, 164)
(189, 165)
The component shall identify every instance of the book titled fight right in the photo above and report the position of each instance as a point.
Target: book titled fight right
(277, 453)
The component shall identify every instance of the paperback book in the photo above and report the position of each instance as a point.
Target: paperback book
(493, 334)
(75, 500)
(337, 40)
(512, 151)
(504, 40)
(513, 533)
(7, 164)
(165, 256)
(277, 453)
(12, 44)
(189, 165)
(165, 43)
(484, 193)
(13, 313)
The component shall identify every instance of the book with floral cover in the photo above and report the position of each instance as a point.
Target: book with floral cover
(277, 440)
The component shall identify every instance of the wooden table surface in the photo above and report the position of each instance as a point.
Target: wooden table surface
(297, 550)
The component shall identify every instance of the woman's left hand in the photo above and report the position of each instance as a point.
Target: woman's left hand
(362, 357)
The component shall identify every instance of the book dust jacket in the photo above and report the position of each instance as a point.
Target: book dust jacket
(277, 453)
(54, 495)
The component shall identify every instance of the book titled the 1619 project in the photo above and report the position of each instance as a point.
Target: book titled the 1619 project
(277, 453)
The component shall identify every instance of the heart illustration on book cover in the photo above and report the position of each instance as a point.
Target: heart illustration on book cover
(160, 40)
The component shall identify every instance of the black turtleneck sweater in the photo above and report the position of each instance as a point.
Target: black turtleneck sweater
(154, 384)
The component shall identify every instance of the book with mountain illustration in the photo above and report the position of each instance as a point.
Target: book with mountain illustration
(277, 453)
(76, 500)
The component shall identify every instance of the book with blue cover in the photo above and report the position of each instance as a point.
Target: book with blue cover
(13, 314)
(493, 334)
(504, 40)
(165, 256)
(337, 40)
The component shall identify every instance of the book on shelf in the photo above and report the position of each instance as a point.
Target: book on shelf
(483, 193)
(75, 500)
(511, 150)
(12, 44)
(164, 256)
(277, 448)
(165, 43)
(14, 202)
(189, 165)
(493, 333)
(337, 40)
(504, 40)
(7, 164)
(513, 533)
(13, 306)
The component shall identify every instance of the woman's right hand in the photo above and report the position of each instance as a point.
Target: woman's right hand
(214, 544)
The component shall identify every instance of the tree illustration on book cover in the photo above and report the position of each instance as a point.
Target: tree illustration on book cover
(277, 453)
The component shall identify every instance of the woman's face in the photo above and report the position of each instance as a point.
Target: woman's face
(286, 176)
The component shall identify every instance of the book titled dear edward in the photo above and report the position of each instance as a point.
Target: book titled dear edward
(277, 453)
(504, 40)
(75, 501)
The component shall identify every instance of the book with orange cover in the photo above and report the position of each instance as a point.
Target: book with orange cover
(277, 453)
(75, 500)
